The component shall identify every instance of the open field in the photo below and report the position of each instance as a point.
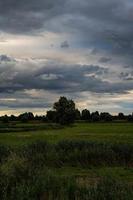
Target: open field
(83, 161)
(20, 133)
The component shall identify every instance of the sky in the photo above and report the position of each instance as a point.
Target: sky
(79, 49)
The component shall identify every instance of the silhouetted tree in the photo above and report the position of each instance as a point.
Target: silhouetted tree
(121, 116)
(130, 118)
(65, 111)
(86, 115)
(5, 119)
(25, 117)
(51, 116)
(105, 117)
(13, 118)
(77, 114)
(95, 116)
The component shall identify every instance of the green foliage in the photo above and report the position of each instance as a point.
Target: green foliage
(65, 111)
(105, 117)
(77, 114)
(34, 185)
(5, 119)
(110, 189)
(4, 152)
(25, 117)
(85, 154)
(86, 115)
(20, 181)
(51, 116)
(27, 173)
(32, 171)
(76, 153)
(95, 117)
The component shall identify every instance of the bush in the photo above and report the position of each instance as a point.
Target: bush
(4, 152)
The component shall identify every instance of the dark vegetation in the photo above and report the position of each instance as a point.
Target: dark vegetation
(26, 172)
(64, 112)
(74, 153)
(29, 171)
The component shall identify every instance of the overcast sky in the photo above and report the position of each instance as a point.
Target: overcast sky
(81, 49)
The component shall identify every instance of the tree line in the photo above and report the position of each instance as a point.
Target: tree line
(65, 112)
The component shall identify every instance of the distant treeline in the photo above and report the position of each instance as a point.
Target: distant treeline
(84, 115)
(65, 112)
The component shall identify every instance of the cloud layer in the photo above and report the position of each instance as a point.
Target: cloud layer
(69, 47)
(23, 87)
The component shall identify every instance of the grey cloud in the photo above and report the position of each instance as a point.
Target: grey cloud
(61, 78)
(26, 103)
(5, 58)
(128, 67)
(105, 27)
(26, 16)
(64, 44)
(98, 24)
(128, 76)
(94, 51)
(104, 60)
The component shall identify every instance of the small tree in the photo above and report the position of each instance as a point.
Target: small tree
(121, 116)
(130, 118)
(25, 117)
(86, 115)
(105, 117)
(51, 116)
(65, 111)
(77, 114)
(5, 119)
(95, 116)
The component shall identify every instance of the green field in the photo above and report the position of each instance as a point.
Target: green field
(17, 134)
(97, 151)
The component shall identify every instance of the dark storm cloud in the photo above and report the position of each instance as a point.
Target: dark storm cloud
(126, 76)
(60, 78)
(97, 24)
(128, 67)
(26, 16)
(101, 23)
(104, 60)
(5, 58)
(101, 27)
(65, 44)
(30, 103)
(103, 19)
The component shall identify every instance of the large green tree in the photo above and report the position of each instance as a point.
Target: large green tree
(65, 111)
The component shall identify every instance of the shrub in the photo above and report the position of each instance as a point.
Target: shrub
(4, 152)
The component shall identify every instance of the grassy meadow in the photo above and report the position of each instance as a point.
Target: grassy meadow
(22, 133)
(82, 161)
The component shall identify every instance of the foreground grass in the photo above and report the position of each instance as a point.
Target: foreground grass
(21, 134)
(86, 161)
(90, 175)
(67, 170)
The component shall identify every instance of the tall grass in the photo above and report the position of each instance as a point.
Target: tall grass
(4, 152)
(72, 153)
(45, 185)
(26, 173)
(79, 153)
